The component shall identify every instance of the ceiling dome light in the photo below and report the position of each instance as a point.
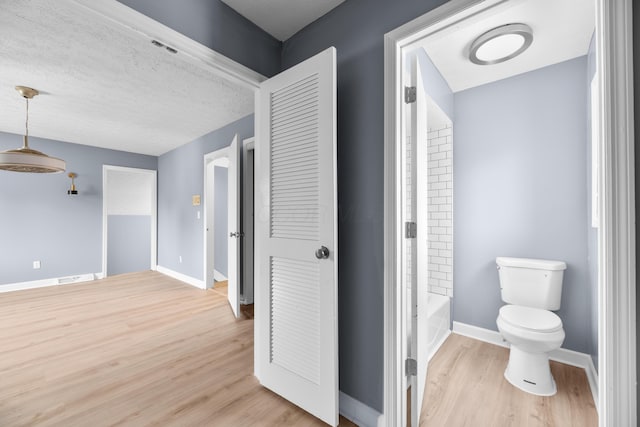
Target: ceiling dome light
(25, 159)
(501, 44)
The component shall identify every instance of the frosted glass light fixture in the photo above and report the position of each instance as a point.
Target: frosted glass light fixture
(500, 44)
(26, 159)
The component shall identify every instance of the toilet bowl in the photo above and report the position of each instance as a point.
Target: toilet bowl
(532, 334)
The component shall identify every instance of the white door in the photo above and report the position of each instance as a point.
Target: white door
(233, 221)
(296, 319)
(419, 351)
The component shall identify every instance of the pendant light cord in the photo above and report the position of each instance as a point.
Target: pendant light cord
(26, 126)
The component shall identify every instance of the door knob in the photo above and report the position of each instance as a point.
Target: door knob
(236, 234)
(322, 253)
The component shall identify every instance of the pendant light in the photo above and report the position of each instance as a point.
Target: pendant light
(26, 159)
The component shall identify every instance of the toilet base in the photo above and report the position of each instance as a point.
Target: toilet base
(530, 372)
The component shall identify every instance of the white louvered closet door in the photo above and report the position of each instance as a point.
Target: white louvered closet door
(296, 321)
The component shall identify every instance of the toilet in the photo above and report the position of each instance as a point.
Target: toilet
(531, 288)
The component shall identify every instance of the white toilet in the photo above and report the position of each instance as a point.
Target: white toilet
(531, 288)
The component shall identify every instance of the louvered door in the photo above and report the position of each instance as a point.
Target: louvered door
(296, 329)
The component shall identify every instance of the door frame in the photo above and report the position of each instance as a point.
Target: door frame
(154, 212)
(247, 223)
(212, 159)
(616, 236)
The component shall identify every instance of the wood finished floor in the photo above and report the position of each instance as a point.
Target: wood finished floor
(139, 349)
(466, 387)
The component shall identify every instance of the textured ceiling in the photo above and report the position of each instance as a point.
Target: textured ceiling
(104, 84)
(562, 30)
(282, 18)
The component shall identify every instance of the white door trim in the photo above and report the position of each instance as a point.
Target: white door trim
(616, 236)
(154, 212)
(214, 158)
(617, 311)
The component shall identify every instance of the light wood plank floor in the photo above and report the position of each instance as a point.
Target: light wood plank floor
(466, 387)
(139, 349)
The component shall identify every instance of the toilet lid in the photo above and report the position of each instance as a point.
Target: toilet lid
(534, 319)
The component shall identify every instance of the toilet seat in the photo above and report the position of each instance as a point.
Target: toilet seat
(531, 319)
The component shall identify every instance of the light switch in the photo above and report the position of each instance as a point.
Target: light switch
(198, 214)
(36, 265)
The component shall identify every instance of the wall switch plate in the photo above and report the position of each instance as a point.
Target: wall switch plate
(198, 214)
(180, 259)
(36, 265)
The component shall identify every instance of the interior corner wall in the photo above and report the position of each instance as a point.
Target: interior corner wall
(521, 146)
(180, 176)
(40, 222)
(592, 233)
(221, 219)
(357, 28)
(215, 25)
(636, 106)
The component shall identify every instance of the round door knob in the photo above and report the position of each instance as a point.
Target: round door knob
(322, 253)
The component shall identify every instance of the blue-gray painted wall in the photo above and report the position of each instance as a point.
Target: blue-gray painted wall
(520, 190)
(129, 238)
(434, 84)
(181, 175)
(592, 233)
(39, 221)
(217, 26)
(356, 28)
(636, 116)
(220, 219)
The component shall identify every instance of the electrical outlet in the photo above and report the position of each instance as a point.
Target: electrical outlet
(180, 259)
(36, 265)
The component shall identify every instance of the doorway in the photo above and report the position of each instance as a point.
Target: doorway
(222, 234)
(248, 221)
(615, 286)
(129, 219)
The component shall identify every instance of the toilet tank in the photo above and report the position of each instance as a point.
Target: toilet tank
(531, 282)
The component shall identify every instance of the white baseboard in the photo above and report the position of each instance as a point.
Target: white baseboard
(219, 277)
(358, 412)
(562, 355)
(182, 277)
(57, 281)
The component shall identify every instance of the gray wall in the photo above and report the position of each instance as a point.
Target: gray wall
(520, 156)
(356, 28)
(592, 233)
(217, 26)
(181, 175)
(435, 85)
(129, 247)
(220, 220)
(636, 106)
(39, 221)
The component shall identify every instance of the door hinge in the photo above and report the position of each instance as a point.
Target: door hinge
(410, 230)
(411, 367)
(409, 94)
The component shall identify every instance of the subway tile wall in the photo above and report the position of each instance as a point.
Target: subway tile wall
(440, 210)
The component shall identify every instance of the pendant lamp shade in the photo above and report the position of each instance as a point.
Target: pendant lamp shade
(25, 159)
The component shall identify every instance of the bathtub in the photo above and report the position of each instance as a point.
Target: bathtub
(438, 321)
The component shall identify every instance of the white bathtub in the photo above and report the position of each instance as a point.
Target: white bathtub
(438, 321)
